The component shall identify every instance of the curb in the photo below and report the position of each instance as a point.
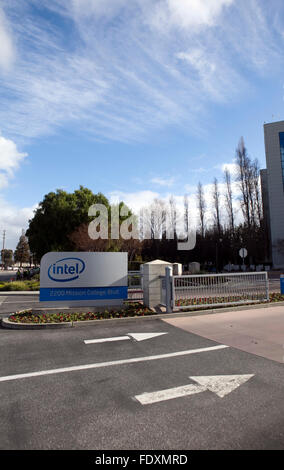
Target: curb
(18, 292)
(5, 323)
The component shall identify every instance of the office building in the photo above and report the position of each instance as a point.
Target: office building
(273, 183)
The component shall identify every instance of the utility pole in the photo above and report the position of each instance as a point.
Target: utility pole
(4, 236)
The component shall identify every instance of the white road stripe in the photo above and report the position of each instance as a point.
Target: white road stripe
(112, 363)
(2, 299)
(106, 340)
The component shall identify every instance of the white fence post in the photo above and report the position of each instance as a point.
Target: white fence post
(267, 286)
(169, 280)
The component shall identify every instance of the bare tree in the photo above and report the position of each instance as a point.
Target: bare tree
(186, 214)
(229, 200)
(256, 192)
(153, 220)
(217, 210)
(249, 183)
(245, 182)
(172, 222)
(201, 208)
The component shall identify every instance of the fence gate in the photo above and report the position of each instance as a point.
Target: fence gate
(215, 290)
(135, 286)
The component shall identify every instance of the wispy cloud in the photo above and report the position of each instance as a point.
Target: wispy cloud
(163, 181)
(7, 51)
(122, 70)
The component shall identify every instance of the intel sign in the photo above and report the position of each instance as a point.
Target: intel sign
(84, 278)
(66, 269)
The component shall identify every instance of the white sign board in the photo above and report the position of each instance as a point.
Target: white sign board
(243, 252)
(84, 278)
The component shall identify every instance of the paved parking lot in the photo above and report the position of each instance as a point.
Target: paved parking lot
(176, 390)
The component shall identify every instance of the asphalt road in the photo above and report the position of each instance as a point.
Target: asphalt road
(88, 400)
(15, 302)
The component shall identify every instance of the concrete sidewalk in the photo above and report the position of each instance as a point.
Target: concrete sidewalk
(258, 331)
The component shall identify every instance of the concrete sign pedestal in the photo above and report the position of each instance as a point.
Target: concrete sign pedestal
(152, 272)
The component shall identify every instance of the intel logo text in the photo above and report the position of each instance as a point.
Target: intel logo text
(66, 269)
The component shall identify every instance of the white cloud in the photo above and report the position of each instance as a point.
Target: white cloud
(135, 200)
(189, 13)
(231, 167)
(163, 181)
(10, 159)
(7, 51)
(13, 220)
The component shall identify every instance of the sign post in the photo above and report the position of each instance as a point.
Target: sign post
(84, 278)
(243, 254)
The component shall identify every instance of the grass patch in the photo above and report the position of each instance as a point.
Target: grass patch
(19, 286)
(129, 310)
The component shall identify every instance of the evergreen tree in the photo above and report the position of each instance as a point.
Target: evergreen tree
(22, 252)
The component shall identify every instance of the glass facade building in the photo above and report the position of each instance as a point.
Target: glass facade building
(281, 137)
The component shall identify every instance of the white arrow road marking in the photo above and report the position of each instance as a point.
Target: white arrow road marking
(143, 336)
(135, 336)
(2, 299)
(221, 385)
(169, 394)
(111, 363)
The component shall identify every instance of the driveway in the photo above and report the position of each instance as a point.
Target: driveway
(62, 389)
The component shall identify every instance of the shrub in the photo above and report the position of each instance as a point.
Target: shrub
(61, 317)
(19, 286)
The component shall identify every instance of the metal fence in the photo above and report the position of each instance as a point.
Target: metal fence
(135, 285)
(218, 289)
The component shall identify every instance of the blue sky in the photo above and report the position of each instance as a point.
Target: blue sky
(136, 99)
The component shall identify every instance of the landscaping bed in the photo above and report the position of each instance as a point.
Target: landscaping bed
(208, 302)
(129, 310)
(32, 285)
(276, 297)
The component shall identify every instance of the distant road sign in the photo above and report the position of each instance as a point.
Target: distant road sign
(243, 252)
